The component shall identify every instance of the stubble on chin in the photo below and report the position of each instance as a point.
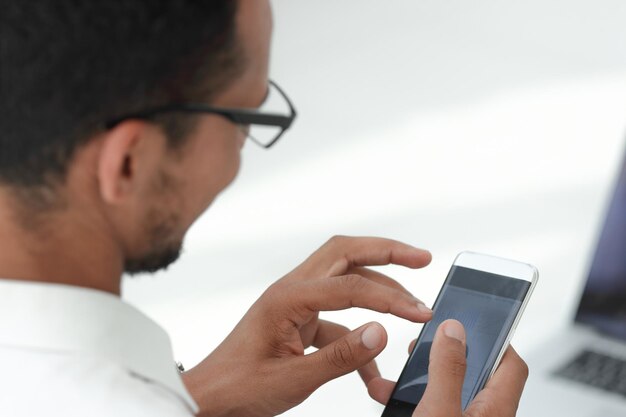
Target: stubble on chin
(163, 243)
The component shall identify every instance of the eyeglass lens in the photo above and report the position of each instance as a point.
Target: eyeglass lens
(274, 103)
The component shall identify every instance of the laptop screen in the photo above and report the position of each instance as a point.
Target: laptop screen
(603, 303)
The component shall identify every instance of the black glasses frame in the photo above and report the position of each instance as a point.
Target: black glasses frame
(239, 116)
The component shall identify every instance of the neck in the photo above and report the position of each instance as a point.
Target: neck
(57, 247)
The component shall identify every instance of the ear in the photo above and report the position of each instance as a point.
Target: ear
(124, 158)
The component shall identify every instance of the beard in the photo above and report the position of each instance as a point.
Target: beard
(163, 240)
(154, 260)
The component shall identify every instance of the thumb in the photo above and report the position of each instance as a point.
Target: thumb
(446, 371)
(344, 355)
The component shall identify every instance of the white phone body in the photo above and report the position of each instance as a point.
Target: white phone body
(507, 268)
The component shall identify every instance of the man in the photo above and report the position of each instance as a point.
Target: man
(121, 123)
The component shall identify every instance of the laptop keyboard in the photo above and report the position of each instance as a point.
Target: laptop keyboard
(598, 370)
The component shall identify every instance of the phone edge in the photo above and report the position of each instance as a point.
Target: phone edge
(518, 317)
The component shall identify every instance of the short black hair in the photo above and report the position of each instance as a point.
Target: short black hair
(67, 66)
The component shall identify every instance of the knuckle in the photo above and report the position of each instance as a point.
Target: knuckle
(337, 240)
(337, 248)
(268, 297)
(341, 356)
(276, 294)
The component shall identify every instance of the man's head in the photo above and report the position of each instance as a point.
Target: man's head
(68, 66)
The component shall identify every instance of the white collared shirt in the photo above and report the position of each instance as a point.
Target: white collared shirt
(70, 351)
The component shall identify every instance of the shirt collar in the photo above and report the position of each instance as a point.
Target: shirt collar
(85, 321)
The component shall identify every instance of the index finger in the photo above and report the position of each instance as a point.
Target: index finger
(348, 291)
(504, 390)
(341, 253)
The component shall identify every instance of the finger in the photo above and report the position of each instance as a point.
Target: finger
(512, 371)
(347, 291)
(504, 390)
(369, 371)
(446, 372)
(343, 356)
(383, 279)
(377, 277)
(380, 389)
(341, 253)
(328, 332)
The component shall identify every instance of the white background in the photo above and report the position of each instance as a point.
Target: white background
(492, 126)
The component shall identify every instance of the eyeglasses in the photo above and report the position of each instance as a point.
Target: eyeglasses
(264, 126)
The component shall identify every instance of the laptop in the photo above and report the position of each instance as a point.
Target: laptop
(581, 371)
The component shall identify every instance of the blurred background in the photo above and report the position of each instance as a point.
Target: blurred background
(489, 126)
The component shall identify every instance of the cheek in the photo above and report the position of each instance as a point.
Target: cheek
(213, 166)
(221, 161)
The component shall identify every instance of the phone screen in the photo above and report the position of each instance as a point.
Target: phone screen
(487, 305)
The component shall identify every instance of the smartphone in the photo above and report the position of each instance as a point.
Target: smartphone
(488, 295)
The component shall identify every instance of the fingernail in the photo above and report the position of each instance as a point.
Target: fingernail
(455, 330)
(423, 309)
(372, 337)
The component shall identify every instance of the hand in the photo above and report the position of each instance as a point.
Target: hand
(446, 372)
(261, 370)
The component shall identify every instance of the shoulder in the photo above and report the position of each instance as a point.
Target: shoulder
(134, 396)
(62, 385)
